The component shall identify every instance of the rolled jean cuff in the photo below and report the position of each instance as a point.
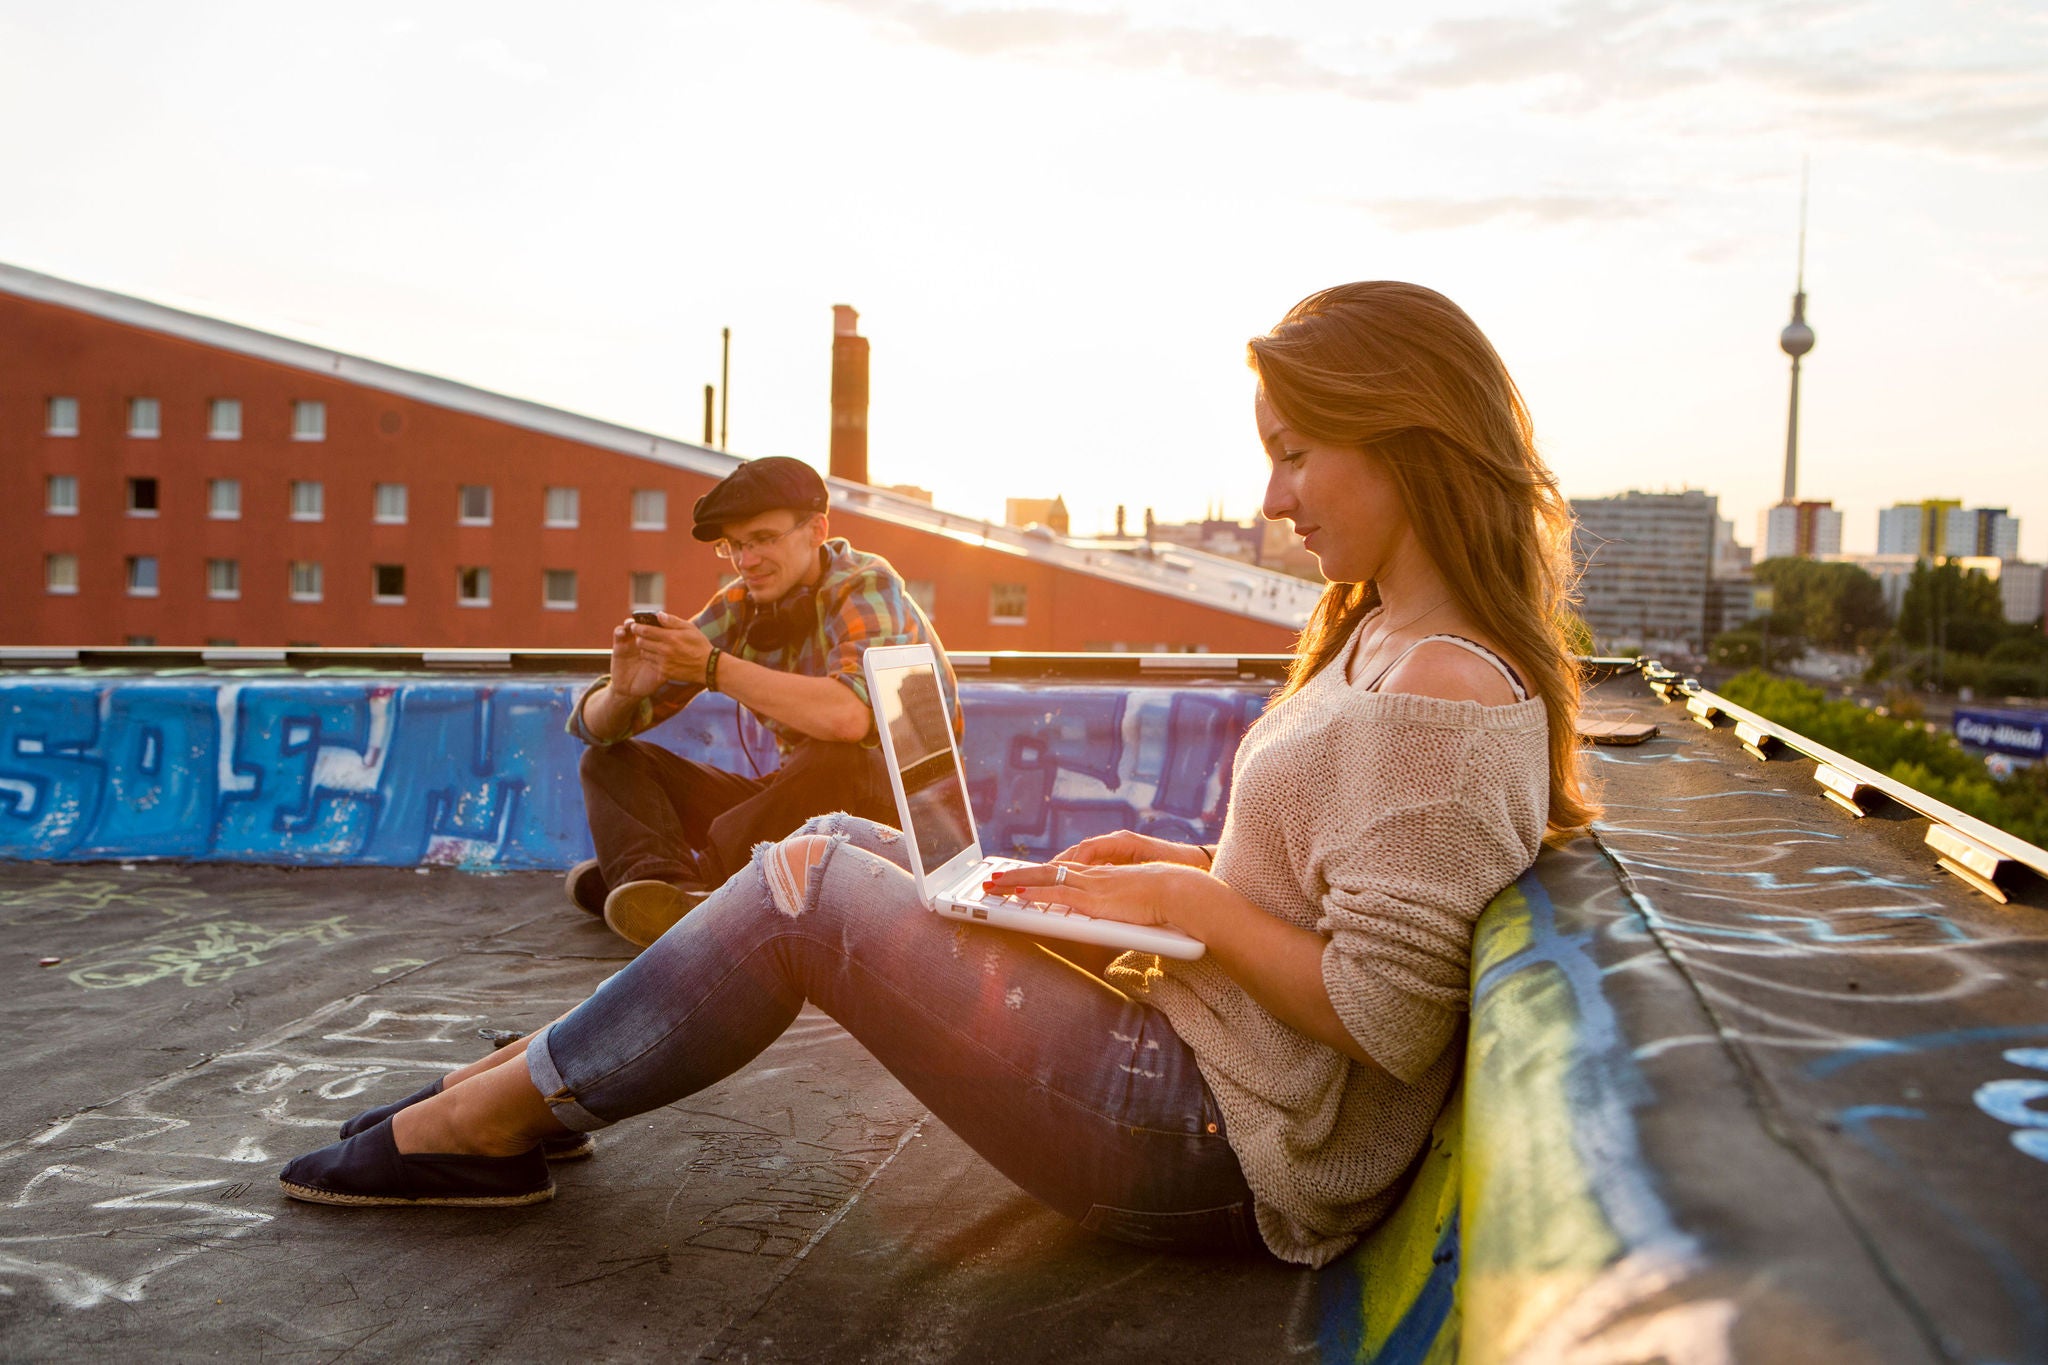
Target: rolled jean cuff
(554, 1087)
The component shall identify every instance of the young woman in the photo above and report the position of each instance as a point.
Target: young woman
(1408, 771)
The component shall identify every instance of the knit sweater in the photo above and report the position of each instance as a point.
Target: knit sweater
(1385, 822)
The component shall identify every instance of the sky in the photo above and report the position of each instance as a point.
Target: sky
(1061, 221)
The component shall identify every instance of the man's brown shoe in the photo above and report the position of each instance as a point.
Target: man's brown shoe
(585, 885)
(641, 912)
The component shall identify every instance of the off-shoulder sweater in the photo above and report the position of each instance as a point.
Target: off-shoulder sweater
(1385, 822)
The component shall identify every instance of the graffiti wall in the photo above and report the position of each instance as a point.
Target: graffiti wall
(394, 771)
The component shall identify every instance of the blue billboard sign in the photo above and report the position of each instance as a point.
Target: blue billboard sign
(2023, 734)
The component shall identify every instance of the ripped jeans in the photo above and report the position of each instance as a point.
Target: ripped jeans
(1083, 1096)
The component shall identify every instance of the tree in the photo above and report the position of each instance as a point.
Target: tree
(1947, 611)
(1745, 649)
(1833, 606)
(1924, 760)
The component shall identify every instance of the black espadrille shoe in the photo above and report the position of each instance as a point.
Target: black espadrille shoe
(368, 1170)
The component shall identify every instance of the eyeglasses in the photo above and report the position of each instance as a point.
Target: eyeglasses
(754, 545)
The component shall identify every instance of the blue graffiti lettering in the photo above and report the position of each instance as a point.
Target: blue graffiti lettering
(402, 771)
(52, 786)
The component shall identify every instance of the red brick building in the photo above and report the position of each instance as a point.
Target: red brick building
(173, 479)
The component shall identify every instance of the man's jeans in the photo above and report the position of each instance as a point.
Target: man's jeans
(655, 815)
(1082, 1095)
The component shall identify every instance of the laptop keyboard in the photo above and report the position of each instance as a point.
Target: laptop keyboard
(1012, 901)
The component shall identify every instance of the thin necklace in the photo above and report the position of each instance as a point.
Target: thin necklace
(1391, 632)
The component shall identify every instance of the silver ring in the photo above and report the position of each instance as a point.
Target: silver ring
(1060, 877)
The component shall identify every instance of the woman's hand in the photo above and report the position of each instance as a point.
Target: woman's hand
(1279, 964)
(1136, 893)
(1124, 846)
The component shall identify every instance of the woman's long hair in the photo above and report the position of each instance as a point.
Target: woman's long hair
(1401, 371)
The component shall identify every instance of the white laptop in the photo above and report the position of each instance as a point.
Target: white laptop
(931, 805)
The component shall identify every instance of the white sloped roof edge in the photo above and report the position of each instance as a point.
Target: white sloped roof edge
(299, 355)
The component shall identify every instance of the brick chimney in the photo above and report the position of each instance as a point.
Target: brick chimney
(849, 396)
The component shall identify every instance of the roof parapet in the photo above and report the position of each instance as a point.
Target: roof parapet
(1983, 856)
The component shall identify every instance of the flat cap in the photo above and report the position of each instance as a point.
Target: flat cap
(758, 486)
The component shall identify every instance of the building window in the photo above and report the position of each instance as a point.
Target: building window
(387, 582)
(145, 417)
(1006, 604)
(650, 592)
(473, 587)
(224, 419)
(224, 499)
(309, 500)
(309, 421)
(308, 582)
(60, 495)
(563, 505)
(474, 508)
(142, 575)
(60, 574)
(558, 589)
(142, 497)
(650, 509)
(925, 593)
(224, 579)
(60, 417)
(391, 503)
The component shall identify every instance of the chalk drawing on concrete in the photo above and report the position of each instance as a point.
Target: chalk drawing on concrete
(2021, 1103)
(1843, 982)
(164, 1175)
(69, 897)
(202, 954)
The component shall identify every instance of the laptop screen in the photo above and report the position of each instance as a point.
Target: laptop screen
(908, 701)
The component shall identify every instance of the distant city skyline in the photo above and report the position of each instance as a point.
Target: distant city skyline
(1060, 224)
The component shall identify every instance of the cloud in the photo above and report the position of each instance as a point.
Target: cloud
(1722, 250)
(1592, 52)
(1427, 214)
(1255, 62)
(1976, 86)
(1995, 108)
(497, 57)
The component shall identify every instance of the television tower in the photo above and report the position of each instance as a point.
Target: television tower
(1796, 340)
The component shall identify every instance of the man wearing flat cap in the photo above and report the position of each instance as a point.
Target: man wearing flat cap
(785, 641)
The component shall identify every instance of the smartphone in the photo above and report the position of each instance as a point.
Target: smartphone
(647, 618)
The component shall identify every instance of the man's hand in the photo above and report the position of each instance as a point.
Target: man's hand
(645, 657)
(1124, 846)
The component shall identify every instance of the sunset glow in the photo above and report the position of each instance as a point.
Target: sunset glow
(1060, 224)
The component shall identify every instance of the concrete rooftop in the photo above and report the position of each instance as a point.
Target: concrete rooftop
(1827, 1049)
(207, 1023)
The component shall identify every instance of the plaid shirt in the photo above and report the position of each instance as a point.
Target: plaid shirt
(859, 601)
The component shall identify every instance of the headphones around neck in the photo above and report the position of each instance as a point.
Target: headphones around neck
(782, 620)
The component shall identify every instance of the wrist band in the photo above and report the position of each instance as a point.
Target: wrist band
(711, 670)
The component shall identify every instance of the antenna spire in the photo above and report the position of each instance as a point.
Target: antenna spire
(1800, 286)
